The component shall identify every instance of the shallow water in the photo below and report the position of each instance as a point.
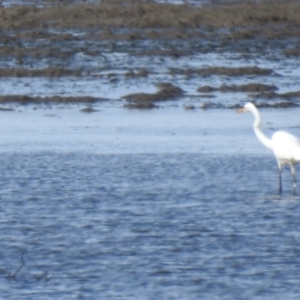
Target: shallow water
(111, 130)
(146, 226)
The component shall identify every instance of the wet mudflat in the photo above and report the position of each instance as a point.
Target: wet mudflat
(213, 56)
(125, 172)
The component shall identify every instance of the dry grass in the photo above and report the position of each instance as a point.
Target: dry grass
(153, 15)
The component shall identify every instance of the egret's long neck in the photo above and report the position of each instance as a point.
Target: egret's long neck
(256, 126)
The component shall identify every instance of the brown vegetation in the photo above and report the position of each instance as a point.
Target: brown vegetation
(272, 95)
(248, 87)
(49, 72)
(167, 91)
(275, 16)
(24, 99)
(239, 71)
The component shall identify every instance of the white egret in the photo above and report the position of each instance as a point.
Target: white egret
(285, 146)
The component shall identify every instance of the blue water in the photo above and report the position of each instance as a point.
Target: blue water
(147, 226)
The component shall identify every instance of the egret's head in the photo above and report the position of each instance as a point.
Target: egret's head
(248, 107)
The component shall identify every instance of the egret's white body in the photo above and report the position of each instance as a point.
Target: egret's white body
(285, 146)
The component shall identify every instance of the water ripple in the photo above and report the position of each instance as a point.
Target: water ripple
(180, 226)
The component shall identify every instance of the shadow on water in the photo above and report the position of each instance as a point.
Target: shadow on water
(146, 226)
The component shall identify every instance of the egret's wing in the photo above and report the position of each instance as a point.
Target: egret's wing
(286, 146)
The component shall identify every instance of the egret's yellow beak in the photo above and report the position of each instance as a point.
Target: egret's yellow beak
(241, 110)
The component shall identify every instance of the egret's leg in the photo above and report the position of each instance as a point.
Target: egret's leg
(294, 177)
(280, 187)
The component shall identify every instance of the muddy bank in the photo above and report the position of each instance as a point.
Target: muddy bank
(142, 14)
(63, 29)
(294, 96)
(263, 95)
(280, 104)
(227, 71)
(147, 20)
(49, 72)
(25, 99)
(167, 91)
(250, 87)
(61, 72)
